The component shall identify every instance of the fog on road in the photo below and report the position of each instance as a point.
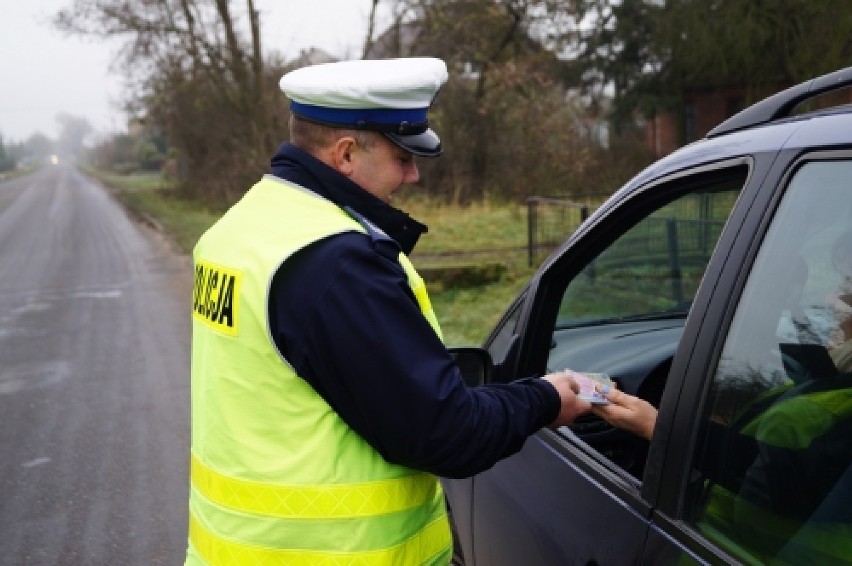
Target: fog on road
(94, 379)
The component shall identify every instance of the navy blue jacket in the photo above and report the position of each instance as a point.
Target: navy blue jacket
(342, 313)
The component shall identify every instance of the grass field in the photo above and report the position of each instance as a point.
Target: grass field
(483, 232)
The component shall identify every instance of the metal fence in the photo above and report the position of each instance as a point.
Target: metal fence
(686, 228)
(669, 249)
(549, 222)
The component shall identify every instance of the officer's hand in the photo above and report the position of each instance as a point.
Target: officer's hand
(627, 412)
(571, 405)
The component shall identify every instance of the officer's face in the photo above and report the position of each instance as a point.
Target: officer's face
(382, 168)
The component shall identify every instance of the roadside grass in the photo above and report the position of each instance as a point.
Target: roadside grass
(153, 199)
(480, 227)
(481, 233)
(18, 172)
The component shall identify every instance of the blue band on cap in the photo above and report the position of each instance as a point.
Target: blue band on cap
(393, 120)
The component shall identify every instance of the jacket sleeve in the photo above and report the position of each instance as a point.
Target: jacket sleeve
(344, 316)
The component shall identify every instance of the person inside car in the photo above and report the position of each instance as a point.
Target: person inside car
(840, 344)
(793, 443)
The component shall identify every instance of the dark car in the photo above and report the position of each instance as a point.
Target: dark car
(717, 285)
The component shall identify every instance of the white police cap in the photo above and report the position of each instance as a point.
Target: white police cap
(391, 96)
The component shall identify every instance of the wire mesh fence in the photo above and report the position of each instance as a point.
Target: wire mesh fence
(549, 222)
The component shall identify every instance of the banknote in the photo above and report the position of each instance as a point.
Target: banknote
(587, 382)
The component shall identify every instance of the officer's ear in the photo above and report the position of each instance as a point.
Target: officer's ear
(343, 153)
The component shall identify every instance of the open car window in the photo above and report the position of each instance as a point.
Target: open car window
(653, 270)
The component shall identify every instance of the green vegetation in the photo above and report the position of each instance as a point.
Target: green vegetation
(479, 234)
(482, 226)
(19, 172)
(468, 314)
(483, 234)
(7, 162)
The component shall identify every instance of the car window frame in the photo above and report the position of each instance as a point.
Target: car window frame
(545, 291)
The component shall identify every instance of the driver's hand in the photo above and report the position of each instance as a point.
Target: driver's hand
(627, 412)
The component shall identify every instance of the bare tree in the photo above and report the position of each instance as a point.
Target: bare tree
(198, 72)
(371, 29)
(509, 124)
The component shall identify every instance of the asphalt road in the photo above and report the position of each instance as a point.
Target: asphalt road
(94, 379)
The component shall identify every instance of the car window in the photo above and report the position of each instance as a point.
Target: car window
(775, 447)
(623, 313)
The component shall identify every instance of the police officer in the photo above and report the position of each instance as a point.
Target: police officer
(324, 403)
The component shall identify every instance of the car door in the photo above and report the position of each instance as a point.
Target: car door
(758, 466)
(615, 300)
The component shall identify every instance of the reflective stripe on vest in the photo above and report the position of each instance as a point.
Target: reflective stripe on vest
(757, 536)
(796, 422)
(311, 502)
(427, 546)
(753, 531)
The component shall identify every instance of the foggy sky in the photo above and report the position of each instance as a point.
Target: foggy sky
(43, 73)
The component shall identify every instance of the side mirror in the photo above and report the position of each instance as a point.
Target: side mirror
(475, 364)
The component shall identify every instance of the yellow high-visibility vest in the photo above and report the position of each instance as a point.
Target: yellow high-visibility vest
(277, 477)
(770, 536)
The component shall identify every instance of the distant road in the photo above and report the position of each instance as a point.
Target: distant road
(94, 379)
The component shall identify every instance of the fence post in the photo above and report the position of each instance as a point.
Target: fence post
(531, 229)
(704, 224)
(674, 260)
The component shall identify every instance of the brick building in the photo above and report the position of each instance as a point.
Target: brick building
(667, 131)
(703, 111)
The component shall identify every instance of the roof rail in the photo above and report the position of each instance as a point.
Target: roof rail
(779, 105)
